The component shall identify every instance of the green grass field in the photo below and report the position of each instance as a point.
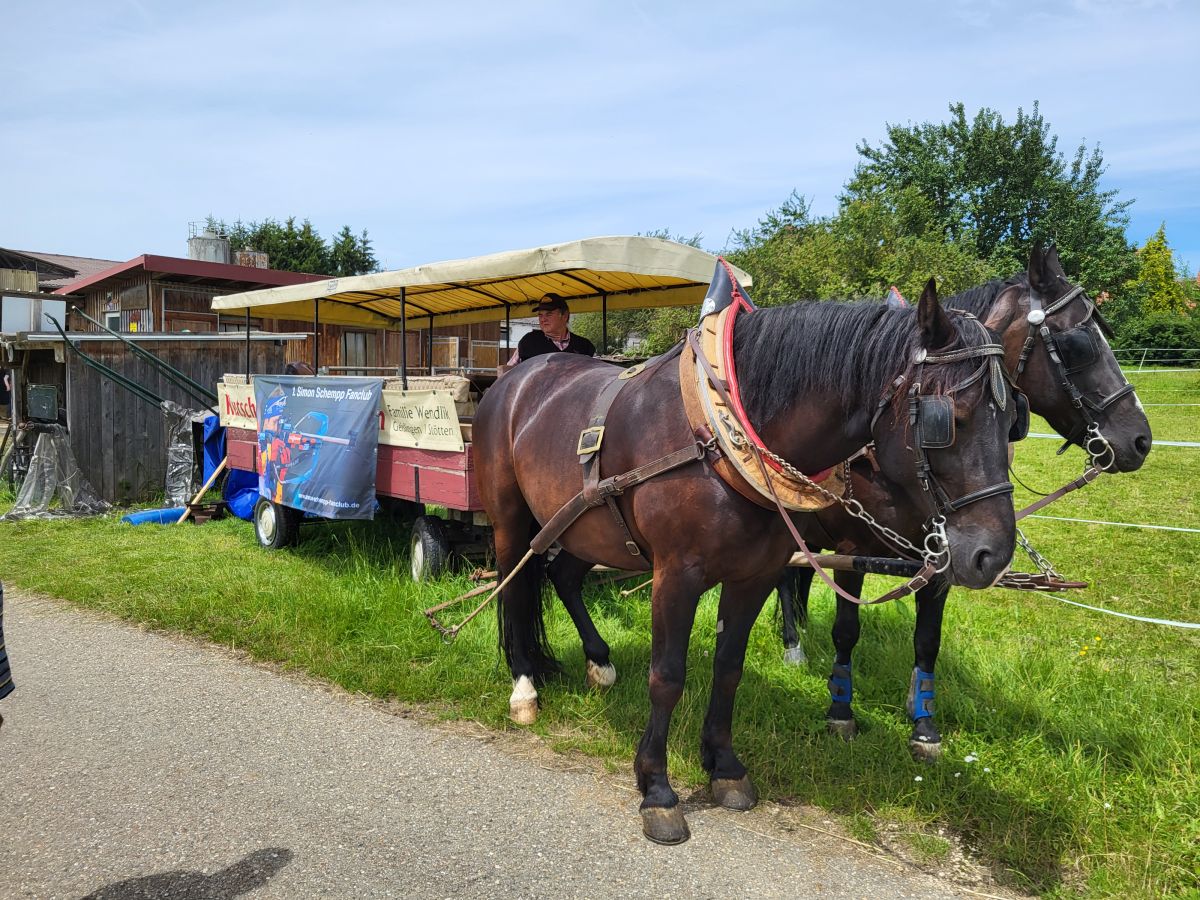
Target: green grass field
(1083, 727)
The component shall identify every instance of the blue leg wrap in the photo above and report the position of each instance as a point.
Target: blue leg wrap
(920, 695)
(841, 687)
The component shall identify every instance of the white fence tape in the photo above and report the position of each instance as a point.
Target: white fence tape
(1120, 524)
(1109, 612)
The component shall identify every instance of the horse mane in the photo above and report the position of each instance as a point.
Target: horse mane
(853, 349)
(979, 300)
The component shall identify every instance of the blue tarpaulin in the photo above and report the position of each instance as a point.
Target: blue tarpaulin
(241, 488)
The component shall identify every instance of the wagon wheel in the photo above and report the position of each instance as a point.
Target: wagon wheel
(430, 548)
(276, 526)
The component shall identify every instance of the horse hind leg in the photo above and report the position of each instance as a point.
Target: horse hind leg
(566, 574)
(522, 628)
(793, 588)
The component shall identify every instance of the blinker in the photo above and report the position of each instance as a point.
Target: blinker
(1077, 348)
(935, 422)
(1020, 428)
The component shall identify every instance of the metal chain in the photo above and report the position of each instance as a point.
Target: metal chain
(1043, 565)
(936, 549)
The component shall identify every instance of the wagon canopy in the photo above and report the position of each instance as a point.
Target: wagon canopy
(593, 274)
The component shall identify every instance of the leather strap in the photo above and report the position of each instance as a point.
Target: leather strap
(1090, 474)
(613, 486)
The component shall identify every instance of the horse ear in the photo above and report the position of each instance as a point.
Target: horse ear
(936, 328)
(1037, 268)
(1053, 264)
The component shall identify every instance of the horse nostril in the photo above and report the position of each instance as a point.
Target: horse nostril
(981, 560)
(1142, 443)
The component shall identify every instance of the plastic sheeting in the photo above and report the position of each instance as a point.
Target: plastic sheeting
(181, 458)
(54, 476)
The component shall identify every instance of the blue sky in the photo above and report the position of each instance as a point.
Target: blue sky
(454, 129)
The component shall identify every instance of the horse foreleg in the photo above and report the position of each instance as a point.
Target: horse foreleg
(674, 611)
(846, 630)
(566, 574)
(925, 742)
(739, 607)
(793, 590)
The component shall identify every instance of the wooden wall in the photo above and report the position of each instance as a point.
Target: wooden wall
(119, 439)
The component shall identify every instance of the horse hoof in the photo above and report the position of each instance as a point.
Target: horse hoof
(794, 656)
(665, 825)
(523, 713)
(925, 752)
(846, 729)
(735, 793)
(601, 676)
(523, 704)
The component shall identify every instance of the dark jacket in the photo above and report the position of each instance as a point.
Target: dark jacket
(536, 343)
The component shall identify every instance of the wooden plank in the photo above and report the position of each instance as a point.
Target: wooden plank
(243, 455)
(439, 459)
(453, 489)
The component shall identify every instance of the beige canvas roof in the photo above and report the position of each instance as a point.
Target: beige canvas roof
(631, 272)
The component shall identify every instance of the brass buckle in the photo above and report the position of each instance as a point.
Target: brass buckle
(590, 440)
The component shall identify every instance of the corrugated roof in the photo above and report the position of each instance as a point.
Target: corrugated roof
(82, 266)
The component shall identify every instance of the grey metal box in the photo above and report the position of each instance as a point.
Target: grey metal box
(42, 402)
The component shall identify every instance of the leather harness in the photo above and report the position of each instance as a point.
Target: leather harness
(599, 491)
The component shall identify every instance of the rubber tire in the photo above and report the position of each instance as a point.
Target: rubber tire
(429, 551)
(276, 526)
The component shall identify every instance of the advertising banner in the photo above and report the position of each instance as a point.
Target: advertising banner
(426, 420)
(317, 443)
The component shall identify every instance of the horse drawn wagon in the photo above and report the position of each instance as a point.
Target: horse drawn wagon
(415, 467)
(934, 396)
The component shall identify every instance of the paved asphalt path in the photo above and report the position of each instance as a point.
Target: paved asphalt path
(138, 765)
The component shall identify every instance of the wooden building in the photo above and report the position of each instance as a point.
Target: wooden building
(118, 438)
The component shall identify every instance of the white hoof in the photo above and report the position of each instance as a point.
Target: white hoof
(794, 656)
(601, 676)
(523, 704)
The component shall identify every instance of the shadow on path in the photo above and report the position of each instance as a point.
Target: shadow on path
(242, 877)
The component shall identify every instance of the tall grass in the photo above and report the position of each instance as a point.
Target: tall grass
(1082, 728)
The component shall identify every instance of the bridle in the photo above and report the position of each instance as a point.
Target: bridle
(931, 419)
(1066, 358)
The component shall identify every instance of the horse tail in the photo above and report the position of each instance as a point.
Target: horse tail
(522, 618)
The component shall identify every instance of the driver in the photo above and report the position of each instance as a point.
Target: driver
(554, 337)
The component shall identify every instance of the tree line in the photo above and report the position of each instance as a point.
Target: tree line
(299, 247)
(962, 200)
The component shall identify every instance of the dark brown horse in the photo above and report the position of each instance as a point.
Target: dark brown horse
(1079, 390)
(819, 373)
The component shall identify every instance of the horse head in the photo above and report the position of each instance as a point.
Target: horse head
(1056, 348)
(952, 414)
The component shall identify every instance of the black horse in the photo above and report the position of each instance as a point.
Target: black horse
(1072, 379)
(821, 372)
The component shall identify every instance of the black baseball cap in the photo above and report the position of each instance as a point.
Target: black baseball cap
(550, 302)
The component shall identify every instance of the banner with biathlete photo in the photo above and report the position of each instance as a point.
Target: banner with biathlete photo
(317, 443)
